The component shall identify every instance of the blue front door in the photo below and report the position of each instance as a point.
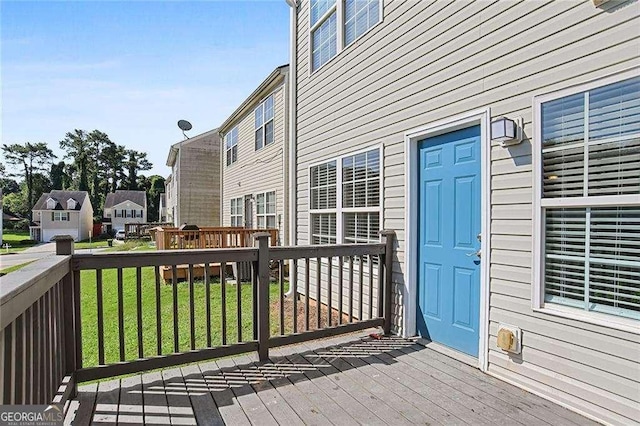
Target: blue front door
(449, 239)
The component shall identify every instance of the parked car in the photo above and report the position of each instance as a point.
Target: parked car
(120, 234)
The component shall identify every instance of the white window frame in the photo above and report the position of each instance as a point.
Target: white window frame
(539, 203)
(263, 127)
(59, 215)
(265, 215)
(338, 7)
(230, 148)
(238, 216)
(339, 210)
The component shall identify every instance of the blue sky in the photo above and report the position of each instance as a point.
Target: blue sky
(132, 69)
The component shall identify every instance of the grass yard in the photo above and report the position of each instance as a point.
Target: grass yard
(18, 240)
(95, 243)
(5, 271)
(110, 306)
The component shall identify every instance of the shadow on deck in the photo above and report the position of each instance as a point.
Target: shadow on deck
(352, 379)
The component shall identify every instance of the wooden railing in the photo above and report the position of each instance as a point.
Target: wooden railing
(209, 237)
(120, 318)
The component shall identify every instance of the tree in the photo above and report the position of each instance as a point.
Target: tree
(59, 177)
(14, 204)
(77, 147)
(30, 158)
(156, 187)
(137, 162)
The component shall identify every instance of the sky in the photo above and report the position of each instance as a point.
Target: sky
(132, 69)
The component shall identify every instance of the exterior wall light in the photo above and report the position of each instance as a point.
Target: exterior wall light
(506, 131)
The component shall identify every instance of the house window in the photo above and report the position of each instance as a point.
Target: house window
(358, 16)
(590, 199)
(231, 146)
(264, 123)
(60, 216)
(236, 211)
(266, 210)
(352, 214)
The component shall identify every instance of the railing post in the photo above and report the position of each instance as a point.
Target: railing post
(262, 239)
(65, 247)
(388, 238)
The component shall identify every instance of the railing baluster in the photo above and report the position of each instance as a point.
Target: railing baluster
(158, 311)
(370, 258)
(340, 287)
(281, 279)
(120, 315)
(17, 359)
(306, 294)
(318, 291)
(329, 291)
(350, 289)
(77, 318)
(139, 310)
(380, 285)
(192, 314)
(223, 303)
(207, 295)
(8, 346)
(99, 299)
(239, 304)
(254, 299)
(174, 282)
(49, 345)
(37, 354)
(360, 287)
(294, 294)
(28, 350)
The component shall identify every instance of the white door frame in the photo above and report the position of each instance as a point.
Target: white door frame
(480, 117)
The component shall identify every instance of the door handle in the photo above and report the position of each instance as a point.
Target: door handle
(478, 253)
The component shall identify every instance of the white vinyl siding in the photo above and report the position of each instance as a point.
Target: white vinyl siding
(231, 146)
(591, 157)
(352, 214)
(264, 123)
(266, 210)
(236, 211)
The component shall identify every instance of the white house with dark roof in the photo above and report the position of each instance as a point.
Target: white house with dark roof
(62, 213)
(124, 206)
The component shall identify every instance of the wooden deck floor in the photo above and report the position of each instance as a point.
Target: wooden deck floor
(347, 380)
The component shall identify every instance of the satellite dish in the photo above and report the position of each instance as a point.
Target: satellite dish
(184, 125)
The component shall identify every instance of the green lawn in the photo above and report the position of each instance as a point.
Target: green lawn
(18, 240)
(95, 243)
(110, 297)
(5, 271)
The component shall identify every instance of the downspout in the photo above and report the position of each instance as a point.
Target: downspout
(293, 69)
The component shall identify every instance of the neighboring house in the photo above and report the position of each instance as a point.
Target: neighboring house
(395, 102)
(255, 158)
(193, 188)
(122, 207)
(62, 213)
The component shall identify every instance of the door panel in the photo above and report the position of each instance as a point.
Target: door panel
(449, 225)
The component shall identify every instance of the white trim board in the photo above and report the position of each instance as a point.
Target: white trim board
(480, 117)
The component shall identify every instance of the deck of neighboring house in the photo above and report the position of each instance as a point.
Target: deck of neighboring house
(351, 379)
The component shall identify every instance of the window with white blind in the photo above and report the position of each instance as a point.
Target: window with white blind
(336, 24)
(264, 123)
(60, 216)
(236, 209)
(345, 201)
(589, 198)
(266, 210)
(231, 146)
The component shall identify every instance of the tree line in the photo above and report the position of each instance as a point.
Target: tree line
(92, 162)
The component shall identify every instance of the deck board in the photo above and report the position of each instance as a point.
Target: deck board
(350, 379)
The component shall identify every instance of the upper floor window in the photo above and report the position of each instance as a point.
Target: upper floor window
(590, 199)
(60, 216)
(231, 146)
(264, 123)
(329, 36)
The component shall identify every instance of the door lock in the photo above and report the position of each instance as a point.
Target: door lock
(478, 253)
